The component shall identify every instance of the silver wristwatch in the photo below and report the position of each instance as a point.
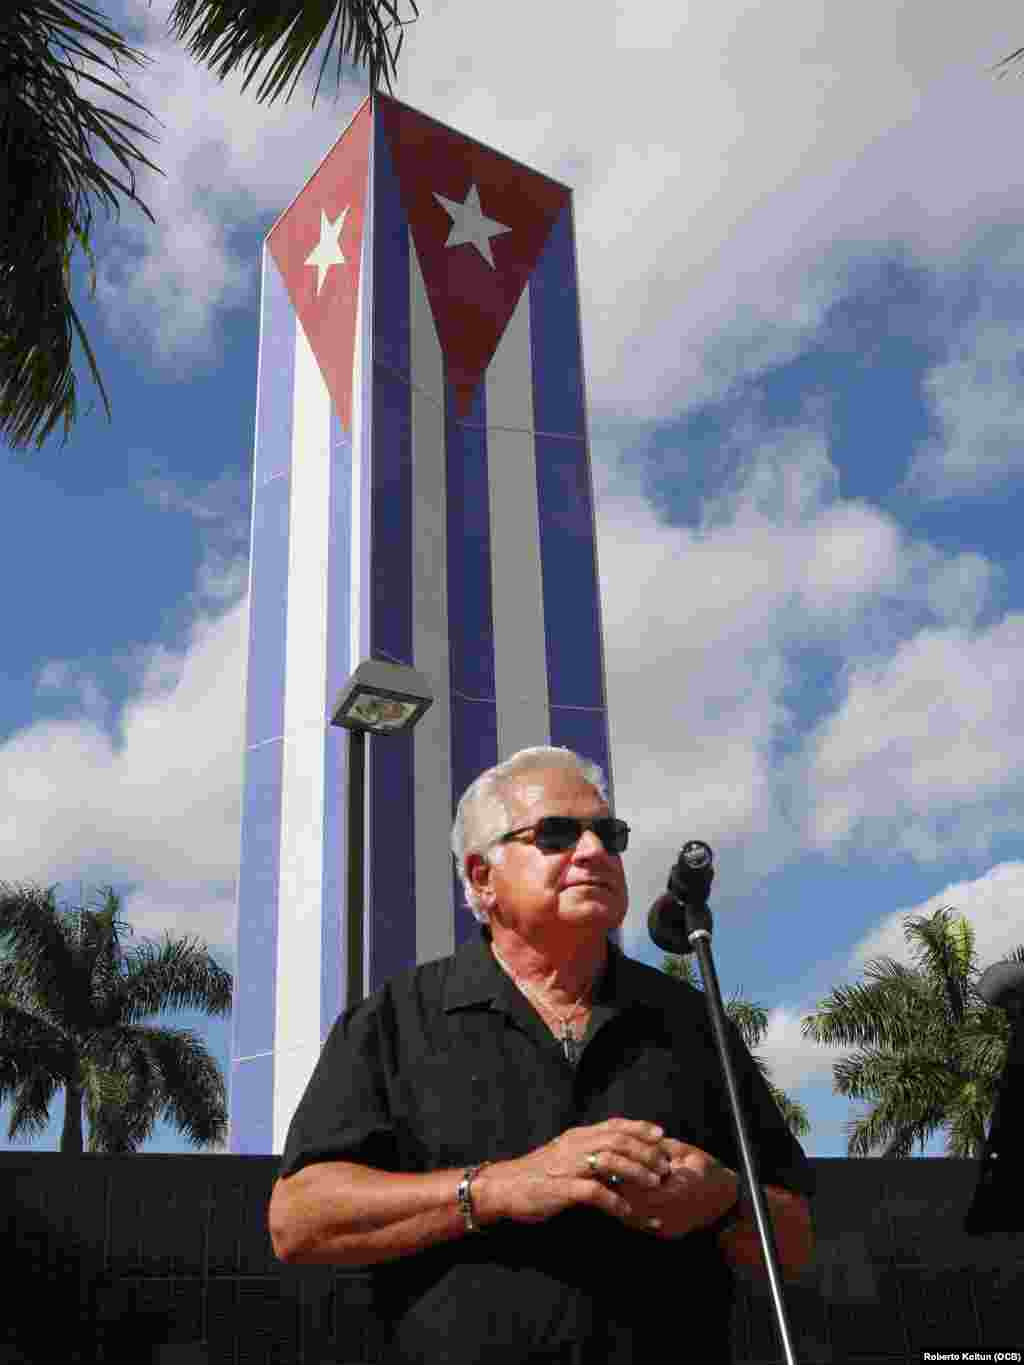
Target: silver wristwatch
(462, 1193)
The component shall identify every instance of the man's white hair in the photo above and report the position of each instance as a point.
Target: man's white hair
(483, 815)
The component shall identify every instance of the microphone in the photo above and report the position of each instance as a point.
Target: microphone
(676, 918)
(998, 1203)
(689, 884)
(1002, 985)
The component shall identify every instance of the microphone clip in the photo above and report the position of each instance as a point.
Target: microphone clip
(683, 910)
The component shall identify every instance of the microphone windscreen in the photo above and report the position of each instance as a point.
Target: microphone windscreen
(1000, 983)
(666, 925)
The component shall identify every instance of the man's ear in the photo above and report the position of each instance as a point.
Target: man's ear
(478, 869)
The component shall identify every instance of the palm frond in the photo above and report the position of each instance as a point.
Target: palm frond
(983, 1041)
(968, 1114)
(749, 1018)
(945, 951)
(123, 1093)
(172, 1073)
(794, 1113)
(48, 178)
(1006, 66)
(39, 958)
(751, 1023)
(888, 1127)
(27, 1044)
(101, 955)
(887, 1013)
(231, 33)
(30, 1109)
(916, 1080)
(681, 967)
(179, 974)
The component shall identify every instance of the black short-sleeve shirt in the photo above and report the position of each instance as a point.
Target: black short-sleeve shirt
(450, 1065)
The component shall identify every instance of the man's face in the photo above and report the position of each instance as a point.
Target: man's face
(552, 894)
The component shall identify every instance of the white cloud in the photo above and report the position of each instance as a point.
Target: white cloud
(794, 1060)
(701, 629)
(978, 397)
(718, 157)
(221, 508)
(160, 809)
(993, 903)
(712, 612)
(206, 911)
(67, 678)
(714, 150)
(225, 499)
(229, 163)
(925, 753)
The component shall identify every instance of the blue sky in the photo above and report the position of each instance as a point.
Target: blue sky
(800, 250)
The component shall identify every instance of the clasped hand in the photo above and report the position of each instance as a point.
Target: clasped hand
(696, 1191)
(678, 1185)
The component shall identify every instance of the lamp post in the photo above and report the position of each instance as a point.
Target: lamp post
(383, 699)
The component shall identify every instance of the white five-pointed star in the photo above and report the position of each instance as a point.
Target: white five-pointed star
(470, 225)
(327, 251)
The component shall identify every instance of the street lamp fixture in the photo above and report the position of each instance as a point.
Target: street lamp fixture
(383, 698)
(379, 698)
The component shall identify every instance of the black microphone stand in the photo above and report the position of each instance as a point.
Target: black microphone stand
(998, 1202)
(682, 916)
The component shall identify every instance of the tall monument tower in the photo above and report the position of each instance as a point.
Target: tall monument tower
(421, 495)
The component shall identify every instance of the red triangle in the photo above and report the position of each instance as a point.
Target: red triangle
(326, 301)
(471, 301)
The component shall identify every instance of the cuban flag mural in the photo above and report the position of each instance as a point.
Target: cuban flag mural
(421, 494)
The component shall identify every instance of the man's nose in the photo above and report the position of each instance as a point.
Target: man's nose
(588, 842)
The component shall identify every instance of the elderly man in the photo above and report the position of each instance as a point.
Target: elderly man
(531, 1137)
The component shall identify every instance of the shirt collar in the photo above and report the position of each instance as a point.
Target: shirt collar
(477, 978)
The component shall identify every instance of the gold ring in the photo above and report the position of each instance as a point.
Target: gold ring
(607, 1180)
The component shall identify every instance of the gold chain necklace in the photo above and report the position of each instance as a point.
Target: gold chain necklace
(568, 1039)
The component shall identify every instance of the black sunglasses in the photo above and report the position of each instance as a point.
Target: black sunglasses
(556, 833)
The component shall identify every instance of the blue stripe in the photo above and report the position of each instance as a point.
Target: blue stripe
(572, 603)
(565, 502)
(276, 377)
(339, 666)
(268, 604)
(392, 945)
(251, 1107)
(366, 401)
(391, 493)
(474, 712)
(256, 948)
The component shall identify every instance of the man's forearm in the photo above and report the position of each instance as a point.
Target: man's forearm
(740, 1243)
(340, 1213)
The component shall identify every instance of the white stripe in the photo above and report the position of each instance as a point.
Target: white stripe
(435, 927)
(300, 895)
(520, 661)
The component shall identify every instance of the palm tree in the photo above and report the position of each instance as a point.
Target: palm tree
(752, 1022)
(227, 33)
(49, 178)
(931, 1051)
(1005, 66)
(73, 1009)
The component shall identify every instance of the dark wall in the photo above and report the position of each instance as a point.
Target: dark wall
(166, 1259)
